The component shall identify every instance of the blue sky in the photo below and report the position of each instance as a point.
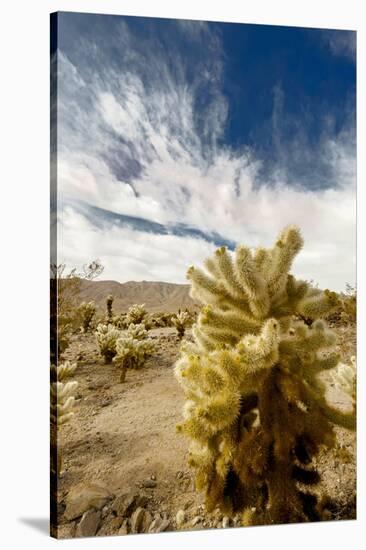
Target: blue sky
(175, 137)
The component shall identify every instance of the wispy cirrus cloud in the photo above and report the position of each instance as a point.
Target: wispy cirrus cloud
(148, 183)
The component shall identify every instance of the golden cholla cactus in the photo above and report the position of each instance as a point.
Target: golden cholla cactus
(181, 321)
(62, 393)
(62, 401)
(62, 371)
(132, 349)
(255, 407)
(85, 313)
(109, 302)
(136, 314)
(344, 378)
(107, 336)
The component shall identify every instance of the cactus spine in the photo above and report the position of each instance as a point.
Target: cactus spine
(255, 407)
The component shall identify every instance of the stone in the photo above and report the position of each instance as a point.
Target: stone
(105, 511)
(159, 525)
(137, 519)
(146, 522)
(225, 522)
(83, 497)
(115, 524)
(153, 525)
(180, 518)
(110, 526)
(149, 483)
(196, 520)
(237, 520)
(89, 524)
(123, 530)
(125, 504)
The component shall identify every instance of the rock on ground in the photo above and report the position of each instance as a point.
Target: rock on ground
(89, 524)
(83, 497)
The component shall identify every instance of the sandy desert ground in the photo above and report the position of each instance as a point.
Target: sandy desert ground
(125, 467)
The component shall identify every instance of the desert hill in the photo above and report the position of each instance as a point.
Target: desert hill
(157, 296)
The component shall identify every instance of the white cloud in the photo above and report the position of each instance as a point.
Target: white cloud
(128, 254)
(342, 43)
(181, 175)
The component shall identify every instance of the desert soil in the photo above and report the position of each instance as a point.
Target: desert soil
(122, 438)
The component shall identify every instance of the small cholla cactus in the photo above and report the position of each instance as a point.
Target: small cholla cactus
(110, 299)
(132, 349)
(346, 311)
(344, 378)
(181, 321)
(119, 321)
(136, 314)
(62, 401)
(256, 411)
(86, 312)
(62, 371)
(107, 336)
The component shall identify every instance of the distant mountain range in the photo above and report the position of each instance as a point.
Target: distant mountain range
(157, 296)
